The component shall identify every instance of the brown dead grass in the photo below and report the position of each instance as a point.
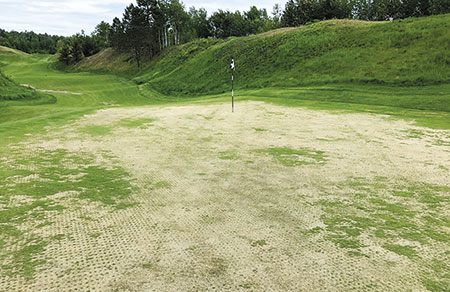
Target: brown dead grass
(209, 223)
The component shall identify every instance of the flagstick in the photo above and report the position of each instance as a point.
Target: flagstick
(232, 84)
(232, 91)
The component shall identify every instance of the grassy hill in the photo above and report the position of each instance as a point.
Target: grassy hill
(407, 52)
(12, 93)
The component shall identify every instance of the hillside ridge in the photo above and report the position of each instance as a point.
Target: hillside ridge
(406, 52)
(12, 93)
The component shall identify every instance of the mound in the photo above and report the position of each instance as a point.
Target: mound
(12, 93)
(6, 50)
(401, 53)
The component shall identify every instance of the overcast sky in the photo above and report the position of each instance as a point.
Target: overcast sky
(67, 17)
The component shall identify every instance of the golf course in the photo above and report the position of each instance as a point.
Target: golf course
(332, 174)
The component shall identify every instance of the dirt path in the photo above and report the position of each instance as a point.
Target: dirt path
(53, 91)
(245, 202)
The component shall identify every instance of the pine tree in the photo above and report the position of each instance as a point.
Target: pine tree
(65, 54)
(77, 50)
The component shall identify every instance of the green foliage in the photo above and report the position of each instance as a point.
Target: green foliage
(299, 12)
(74, 49)
(30, 42)
(65, 54)
(151, 26)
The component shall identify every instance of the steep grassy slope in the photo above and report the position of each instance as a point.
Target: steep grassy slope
(12, 93)
(402, 53)
(407, 52)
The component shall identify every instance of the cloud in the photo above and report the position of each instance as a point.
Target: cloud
(67, 17)
(64, 17)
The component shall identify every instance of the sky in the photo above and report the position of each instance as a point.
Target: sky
(67, 17)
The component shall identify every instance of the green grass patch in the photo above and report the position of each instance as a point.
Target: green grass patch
(24, 261)
(148, 266)
(109, 186)
(397, 213)
(136, 123)
(95, 130)
(295, 157)
(161, 185)
(438, 279)
(257, 243)
(436, 285)
(404, 250)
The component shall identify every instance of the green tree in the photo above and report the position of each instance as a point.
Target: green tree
(200, 22)
(117, 34)
(135, 27)
(256, 20)
(178, 22)
(277, 13)
(65, 54)
(77, 50)
(102, 31)
(290, 17)
(439, 6)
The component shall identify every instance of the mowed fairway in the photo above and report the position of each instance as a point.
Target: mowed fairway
(194, 198)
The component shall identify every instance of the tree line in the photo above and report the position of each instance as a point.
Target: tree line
(30, 42)
(299, 12)
(149, 26)
(75, 48)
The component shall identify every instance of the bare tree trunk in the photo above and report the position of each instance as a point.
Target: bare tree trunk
(138, 57)
(177, 41)
(165, 33)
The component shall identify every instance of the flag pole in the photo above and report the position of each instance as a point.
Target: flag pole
(232, 84)
(232, 91)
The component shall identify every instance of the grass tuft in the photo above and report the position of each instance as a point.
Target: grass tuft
(295, 157)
